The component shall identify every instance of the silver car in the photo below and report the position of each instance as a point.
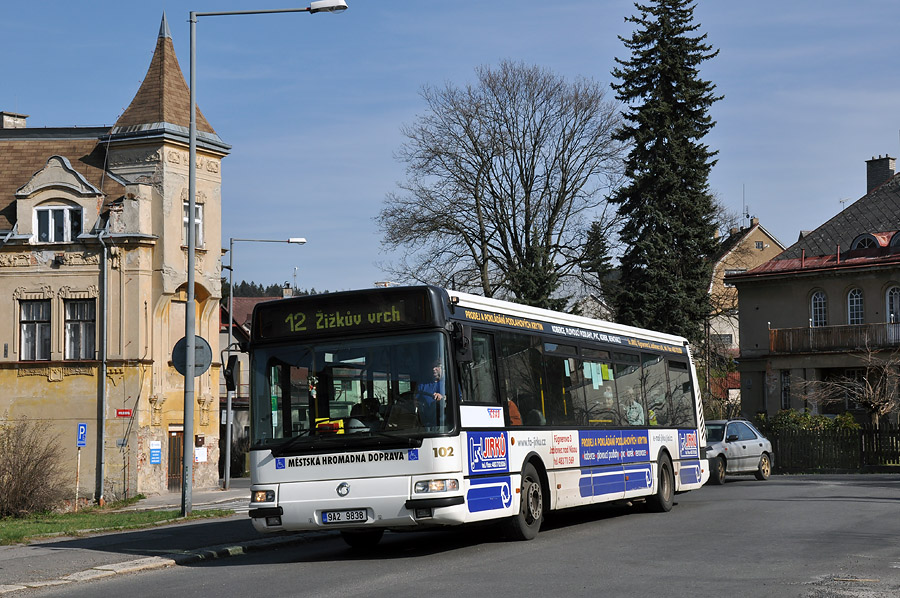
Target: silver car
(735, 446)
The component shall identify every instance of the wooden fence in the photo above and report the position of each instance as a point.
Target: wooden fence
(868, 449)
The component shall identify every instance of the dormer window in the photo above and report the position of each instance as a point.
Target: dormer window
(864, 241)
(57, 224)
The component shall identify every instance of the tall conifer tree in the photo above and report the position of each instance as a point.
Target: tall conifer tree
(666, 203)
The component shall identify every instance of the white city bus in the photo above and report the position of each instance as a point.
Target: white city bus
(401, 408)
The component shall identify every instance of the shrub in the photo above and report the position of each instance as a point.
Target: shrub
(791, 419)
(31, 478)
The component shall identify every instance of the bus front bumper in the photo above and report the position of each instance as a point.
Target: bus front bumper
(353, 504)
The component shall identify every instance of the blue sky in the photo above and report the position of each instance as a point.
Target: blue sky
(313, 104)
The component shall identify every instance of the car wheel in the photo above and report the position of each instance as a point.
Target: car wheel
(765, 467)
(364, 540)
(662, 501)
(526, 524)
(717, 471)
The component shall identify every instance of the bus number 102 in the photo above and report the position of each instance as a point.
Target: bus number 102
(296, 322)
(443, 451)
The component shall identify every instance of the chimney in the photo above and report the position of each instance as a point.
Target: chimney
(754, 221)
(11, 120)
(879, 170)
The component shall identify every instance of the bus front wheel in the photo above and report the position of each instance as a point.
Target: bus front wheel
(526, 524)
(662, 501)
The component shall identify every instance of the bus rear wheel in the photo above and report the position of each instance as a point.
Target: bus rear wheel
(662, 501)
(526, 524)
(364, 540)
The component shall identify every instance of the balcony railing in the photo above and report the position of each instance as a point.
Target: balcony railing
(834, 338)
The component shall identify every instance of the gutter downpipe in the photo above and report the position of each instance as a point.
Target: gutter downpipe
(9, 234)
(101, 384)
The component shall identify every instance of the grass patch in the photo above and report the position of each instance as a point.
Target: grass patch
(91, 520)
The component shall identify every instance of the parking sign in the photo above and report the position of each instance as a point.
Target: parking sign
(81, 438)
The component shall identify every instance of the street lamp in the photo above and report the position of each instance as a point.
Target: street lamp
(230, 393)
(189, 319)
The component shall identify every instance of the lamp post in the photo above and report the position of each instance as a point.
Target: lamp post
(189, 319)
(230, 393)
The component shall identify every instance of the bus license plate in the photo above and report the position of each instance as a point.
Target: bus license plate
(354, 516)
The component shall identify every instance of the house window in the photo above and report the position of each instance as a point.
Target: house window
(35, 330)
(864, 242)
(818, 310)
(198, 223)
(760, 246)
(721, 340)
(785, 389)
(734, 271)
(892, 305)
(57, 224)
(80, 325)
(855, 307)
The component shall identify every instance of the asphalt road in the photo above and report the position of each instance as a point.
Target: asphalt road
(804, 536)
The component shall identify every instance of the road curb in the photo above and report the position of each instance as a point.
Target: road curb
(160, 562)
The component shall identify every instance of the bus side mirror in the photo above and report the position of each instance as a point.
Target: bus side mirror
(462, 342)
(231, 371)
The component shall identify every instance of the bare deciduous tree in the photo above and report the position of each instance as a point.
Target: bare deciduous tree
(874, 385)
(504, 178)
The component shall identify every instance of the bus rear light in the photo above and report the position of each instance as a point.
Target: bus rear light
(429, 486)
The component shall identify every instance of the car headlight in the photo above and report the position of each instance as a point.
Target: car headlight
(428, 486)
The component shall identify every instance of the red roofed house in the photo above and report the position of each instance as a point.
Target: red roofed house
(93, 286)
(826, 305)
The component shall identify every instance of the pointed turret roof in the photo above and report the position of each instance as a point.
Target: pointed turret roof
(164, 96)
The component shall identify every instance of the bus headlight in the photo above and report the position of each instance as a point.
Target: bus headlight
(262, 496)
(427, 486)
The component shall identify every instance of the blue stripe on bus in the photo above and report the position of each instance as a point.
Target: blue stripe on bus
(489, 494)
(638, 477)
(600, 481)
(689, 472)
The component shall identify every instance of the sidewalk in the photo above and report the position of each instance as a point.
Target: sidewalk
(64, 560)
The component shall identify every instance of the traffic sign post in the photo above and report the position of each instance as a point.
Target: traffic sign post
(194, 355)
(80, 441)
(202, 356)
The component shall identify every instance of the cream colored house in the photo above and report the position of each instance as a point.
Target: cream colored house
(92, 286)
(743, 249)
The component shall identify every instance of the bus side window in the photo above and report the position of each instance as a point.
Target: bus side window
(559, 400)
(520, 376)
(600, 394)
(682, 395)
(655, 389)
(632, 410)
(478, 377)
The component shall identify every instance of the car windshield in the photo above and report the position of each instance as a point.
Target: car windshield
(350, 391)
(715, 432)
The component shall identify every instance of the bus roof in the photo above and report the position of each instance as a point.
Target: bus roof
(525, 311)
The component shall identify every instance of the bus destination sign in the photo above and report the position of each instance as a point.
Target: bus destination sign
(324, 315)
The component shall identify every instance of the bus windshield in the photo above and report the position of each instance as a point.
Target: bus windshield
(350, 390)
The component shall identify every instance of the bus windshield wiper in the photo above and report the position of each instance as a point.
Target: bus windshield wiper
(373, 438)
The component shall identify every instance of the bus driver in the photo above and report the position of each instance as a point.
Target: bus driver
(431, 396)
